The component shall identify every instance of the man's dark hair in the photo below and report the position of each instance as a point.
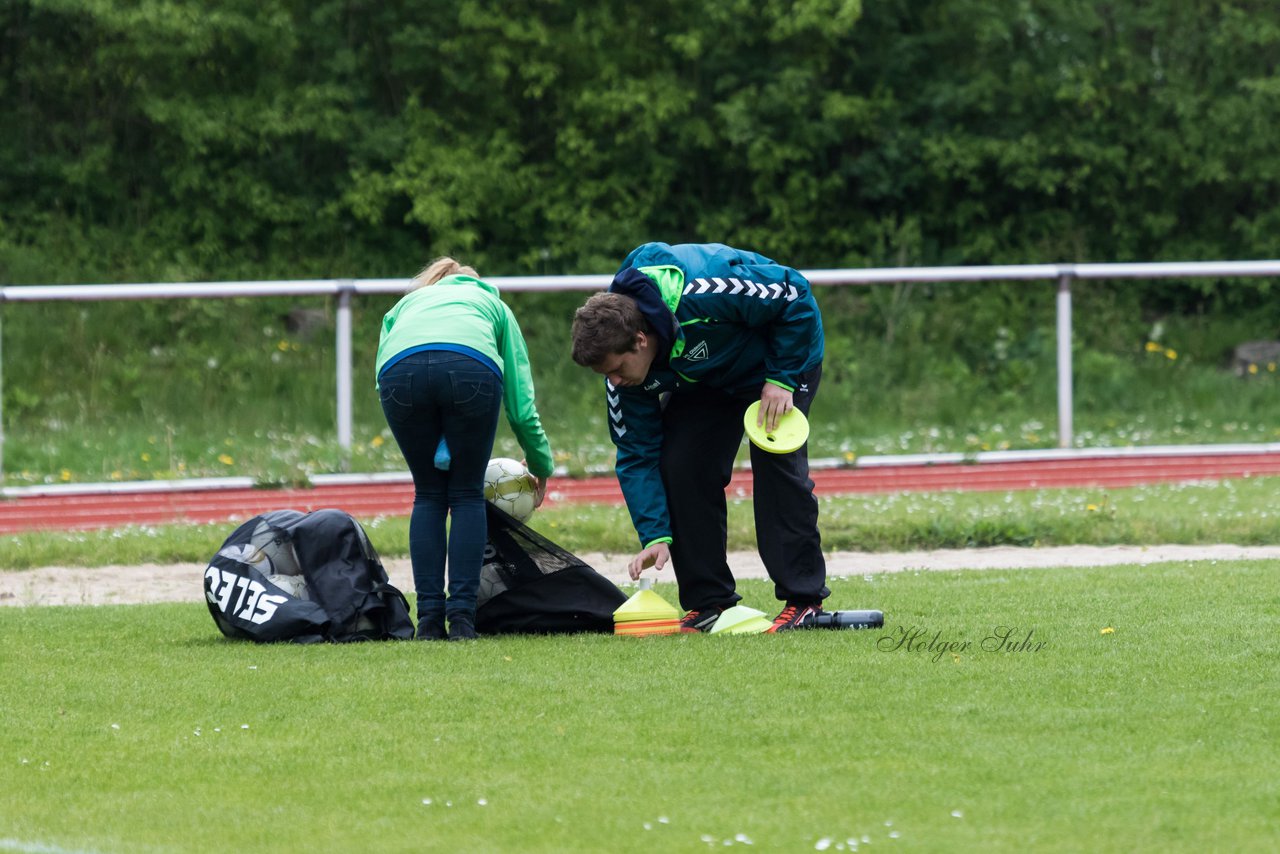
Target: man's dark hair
(606, 325)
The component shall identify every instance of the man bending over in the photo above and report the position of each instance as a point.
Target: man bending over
(687, 337)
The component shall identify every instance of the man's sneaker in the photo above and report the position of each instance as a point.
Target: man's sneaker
(797, 615)
(700, 621)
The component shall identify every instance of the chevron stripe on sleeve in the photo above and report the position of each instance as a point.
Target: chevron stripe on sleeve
(744, 287)
(615, 410)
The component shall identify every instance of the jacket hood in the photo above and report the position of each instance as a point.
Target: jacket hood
(632, 283)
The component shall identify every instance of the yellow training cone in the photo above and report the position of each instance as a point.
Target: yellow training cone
(791, 434)
(646, 613)
(643, 606)
(741, 620)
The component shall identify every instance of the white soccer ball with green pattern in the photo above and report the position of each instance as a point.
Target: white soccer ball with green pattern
(509, 487)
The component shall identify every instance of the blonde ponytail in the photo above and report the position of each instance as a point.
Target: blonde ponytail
(438, 269)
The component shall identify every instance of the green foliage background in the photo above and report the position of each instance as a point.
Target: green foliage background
(174, 140)
(169, 140)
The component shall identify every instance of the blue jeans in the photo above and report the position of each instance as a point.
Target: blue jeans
(427, 396)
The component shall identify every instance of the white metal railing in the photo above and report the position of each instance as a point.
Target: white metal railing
(343, 290)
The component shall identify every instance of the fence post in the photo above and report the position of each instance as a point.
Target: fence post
(346, 287)
(1065, 403)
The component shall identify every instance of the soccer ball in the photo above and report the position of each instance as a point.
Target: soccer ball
(294, 585)
(509, 487)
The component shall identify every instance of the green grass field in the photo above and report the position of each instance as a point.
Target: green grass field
(1139, 717)
(1144, 722)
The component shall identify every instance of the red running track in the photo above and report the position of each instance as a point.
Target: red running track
(113, 508)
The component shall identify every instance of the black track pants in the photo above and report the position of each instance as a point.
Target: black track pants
(702, 432)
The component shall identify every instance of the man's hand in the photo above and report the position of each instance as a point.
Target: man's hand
(775, 402)
(656, 556)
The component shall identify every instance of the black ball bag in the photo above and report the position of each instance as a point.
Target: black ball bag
(347, 596)
(528, 584)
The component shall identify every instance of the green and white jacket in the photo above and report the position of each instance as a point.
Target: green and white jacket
(467, 313)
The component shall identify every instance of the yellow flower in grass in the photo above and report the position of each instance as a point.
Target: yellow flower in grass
(226, 459)
(1253, 369)
(1171, 354)
(377, 442)
(1153, 347)
(1107, 631)
(1091, 508)
(65, 475)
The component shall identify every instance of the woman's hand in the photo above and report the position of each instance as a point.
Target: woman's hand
(539, 485)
